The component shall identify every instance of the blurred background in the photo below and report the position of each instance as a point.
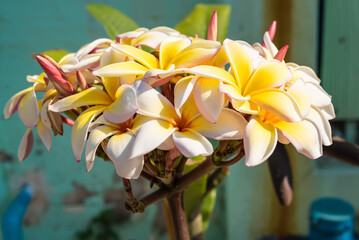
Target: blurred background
(67, 201)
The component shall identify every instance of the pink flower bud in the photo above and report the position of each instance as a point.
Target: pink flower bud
(212, 27)
(281, 53)
(56, 76)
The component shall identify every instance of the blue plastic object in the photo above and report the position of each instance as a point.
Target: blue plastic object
(331, 219)
(12, 218)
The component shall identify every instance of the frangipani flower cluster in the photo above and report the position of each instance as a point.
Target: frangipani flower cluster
(157, 92)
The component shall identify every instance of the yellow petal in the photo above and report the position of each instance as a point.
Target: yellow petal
(111, 85)
(91, 96)
(121, 69)
(147, 59)
(279, 103)
(213, 72)
(150, 39)
(270, 74)
(230, 125)
(303, 135)
(29, 109)
(239, 60)
(196, 54)
(81, 127)
(220, 60)
(245, 107)
(233, 92)
(170, 48)
(260, 140)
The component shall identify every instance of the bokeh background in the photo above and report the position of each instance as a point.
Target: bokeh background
(322, 34)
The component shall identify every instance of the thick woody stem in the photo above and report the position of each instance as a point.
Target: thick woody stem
(178, 216)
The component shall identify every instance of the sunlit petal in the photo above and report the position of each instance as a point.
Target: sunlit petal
(319, 97)
(239, 60)
(208, 99)
(245, 107)
(213, 72)
(270, 74)
(81, 127)
(150, 39)
(300, 93)
(96, 137)
(303, 135)
(328, 111)
(91, 96)
(230, 125)
(197, 53)
(124, 107)
(121, 69)
(118, 150)
(111, 85)
(279, 103)
(269, 44)
(183, 89)
(151, 135)
(153, 104)
(170, 48)
(260, 140)
(147, 59)
(233, 92)
(190, 143)
(318, 119)
(109, 56)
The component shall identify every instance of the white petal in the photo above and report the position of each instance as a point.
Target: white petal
(260, 140)
(12, 105)
(26, 144)
(208, 99)
(45, 134)
(182, 91)
(96, 137)
(124, 107)
(150, 135)
(318, 119)
(230, 125)
(118, 150)
(191, 144)
(319, 97)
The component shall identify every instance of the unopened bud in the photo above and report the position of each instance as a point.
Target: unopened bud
(55, 75)
(81, 80)
(281, 53)
(212, 27)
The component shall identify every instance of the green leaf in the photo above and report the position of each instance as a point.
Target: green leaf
(114, 21)
(207, 208)
(55, 54)
(196, 22)
(194, 192)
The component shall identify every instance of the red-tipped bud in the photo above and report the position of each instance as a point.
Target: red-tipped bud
(196, 36)
(272, 29)
(212, 27)
(56, 76)
(81, 80)
(281, 53)
(271, 32)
